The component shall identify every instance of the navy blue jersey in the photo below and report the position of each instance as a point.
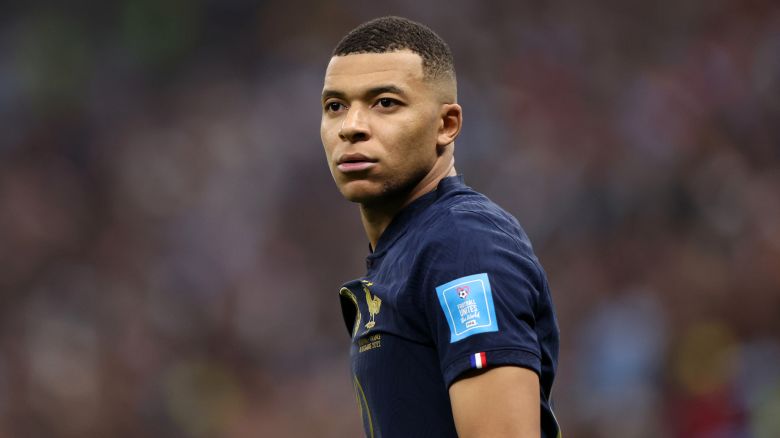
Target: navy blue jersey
(452, 286)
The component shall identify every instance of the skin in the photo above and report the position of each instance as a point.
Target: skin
(379, 105)
(501, 402)
(389, 133)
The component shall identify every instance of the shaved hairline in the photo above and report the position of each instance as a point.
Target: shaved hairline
(444, 82)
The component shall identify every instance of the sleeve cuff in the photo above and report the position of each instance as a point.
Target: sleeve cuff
(490, 359)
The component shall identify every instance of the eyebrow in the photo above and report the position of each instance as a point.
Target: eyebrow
(371, 92)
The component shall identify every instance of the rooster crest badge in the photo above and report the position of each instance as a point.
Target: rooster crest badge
(373, 302)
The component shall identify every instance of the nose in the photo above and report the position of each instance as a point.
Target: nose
(354, 127)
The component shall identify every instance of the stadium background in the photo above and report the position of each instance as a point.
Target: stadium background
(171, 241)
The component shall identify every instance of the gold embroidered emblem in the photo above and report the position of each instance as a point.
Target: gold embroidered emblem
(373, 302)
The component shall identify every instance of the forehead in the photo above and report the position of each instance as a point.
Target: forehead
(369, 69)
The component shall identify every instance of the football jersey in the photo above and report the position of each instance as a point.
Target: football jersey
(453, 285)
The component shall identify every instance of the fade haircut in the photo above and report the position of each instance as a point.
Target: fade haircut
(390, 34)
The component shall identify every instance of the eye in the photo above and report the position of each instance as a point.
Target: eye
(333, 106)
(386, 102)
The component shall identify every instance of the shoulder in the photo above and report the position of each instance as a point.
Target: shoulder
(471, 217)
(467, 233)
(470, 235)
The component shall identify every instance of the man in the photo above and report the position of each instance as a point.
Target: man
(453, 329)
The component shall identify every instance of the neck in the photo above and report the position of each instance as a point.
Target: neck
(376, 217)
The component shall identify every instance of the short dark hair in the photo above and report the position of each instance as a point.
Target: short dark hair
(390, 34)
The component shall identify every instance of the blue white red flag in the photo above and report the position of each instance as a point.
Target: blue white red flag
(478, 360)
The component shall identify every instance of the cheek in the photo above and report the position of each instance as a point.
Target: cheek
(326, 135)
(418, 137)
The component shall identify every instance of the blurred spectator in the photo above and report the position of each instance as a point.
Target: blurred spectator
(171, 242)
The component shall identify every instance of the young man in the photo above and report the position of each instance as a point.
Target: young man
(453, 329)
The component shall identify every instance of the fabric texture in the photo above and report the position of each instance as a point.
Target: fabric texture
(452, 286)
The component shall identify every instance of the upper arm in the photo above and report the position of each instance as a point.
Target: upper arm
(482, 308)
(500, 402)
(482, 299)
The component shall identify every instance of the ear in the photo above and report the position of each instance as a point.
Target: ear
(450, 122)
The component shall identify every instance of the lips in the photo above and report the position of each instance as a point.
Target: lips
(355, 163)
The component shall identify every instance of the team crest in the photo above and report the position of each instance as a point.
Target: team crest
(373, 302)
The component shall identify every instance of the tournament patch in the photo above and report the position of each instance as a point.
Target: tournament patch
(468, 306)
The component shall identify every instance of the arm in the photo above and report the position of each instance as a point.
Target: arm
(501, 402)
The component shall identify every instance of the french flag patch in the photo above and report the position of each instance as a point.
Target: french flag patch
(478, 360)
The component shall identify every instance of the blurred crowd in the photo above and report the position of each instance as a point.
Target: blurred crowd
(171, 241)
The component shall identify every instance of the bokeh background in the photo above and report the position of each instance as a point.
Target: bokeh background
(171, 242)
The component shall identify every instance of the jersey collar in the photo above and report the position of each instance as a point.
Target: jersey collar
(406, 216)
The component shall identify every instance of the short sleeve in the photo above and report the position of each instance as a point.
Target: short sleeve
(482, 289)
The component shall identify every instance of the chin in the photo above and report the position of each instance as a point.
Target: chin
(361, 191)
(360, 196)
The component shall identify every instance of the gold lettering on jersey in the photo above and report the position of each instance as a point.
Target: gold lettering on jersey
(369, 343)
(373, 302)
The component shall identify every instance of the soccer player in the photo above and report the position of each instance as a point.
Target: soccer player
(453, 328)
